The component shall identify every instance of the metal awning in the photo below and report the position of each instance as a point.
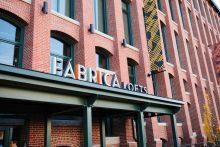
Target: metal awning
(23, 84)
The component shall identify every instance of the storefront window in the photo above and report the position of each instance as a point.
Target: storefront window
(10, 43)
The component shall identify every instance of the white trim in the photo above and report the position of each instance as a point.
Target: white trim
(170, 64)
(103, 35)
(27, 1)
(65, 17)
(164, 124)
(179, 124)
(183, 70)
(194, 75)
(132, 47)
(105, 71)
(187, 93)
(161, 12)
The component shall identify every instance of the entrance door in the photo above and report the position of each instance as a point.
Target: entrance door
(7, 134)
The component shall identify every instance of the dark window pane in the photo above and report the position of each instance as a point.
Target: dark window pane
(102, 61)
(9, 31)
(131, 73)
(126, 27)
(8, 54)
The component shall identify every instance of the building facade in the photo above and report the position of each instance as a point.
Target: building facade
(77, 73)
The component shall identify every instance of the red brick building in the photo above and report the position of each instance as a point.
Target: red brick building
(45, 100)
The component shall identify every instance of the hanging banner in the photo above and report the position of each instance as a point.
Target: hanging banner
(153, 35)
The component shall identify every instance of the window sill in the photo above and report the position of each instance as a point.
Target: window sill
(179, 124)
(104, 35)
(194, 75)
(161, 12)
(27, 1)
(183, 70)
(187, 93)
(132, 47)
(170, 64)
(65, 17)
(105, 70)
(162, 124)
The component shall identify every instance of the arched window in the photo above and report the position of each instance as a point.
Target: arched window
(102, 58)
(11, 42)
(61, 52)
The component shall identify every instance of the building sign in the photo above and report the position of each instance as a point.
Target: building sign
(93, 76)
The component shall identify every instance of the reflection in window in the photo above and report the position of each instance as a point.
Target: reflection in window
(10, 43)
(100, 15)
(132, 72)
(127, 22)
(64, 7)
(62, 51)
(102, 58)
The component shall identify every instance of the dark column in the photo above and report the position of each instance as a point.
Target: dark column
(47, 135)
(87, 126)
(102, 135)
(174, 130)
(141, 130)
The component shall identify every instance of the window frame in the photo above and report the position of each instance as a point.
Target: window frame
(177, 39)
(16, 24)
(72, 8)
(171, 9)
(100, 51)
(105, 16)
(181, 13)
(163, 31)
(128, 12)
(64, 41)
(134, 74)
(171, 78)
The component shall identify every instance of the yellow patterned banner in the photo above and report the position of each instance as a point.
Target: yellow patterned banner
(153, 35)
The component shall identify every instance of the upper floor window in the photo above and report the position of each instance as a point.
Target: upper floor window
(132, 72)
(155, 86)
(64, 7)
(102, 59)
(159, 5)
(181, 13)
(11, 43)
(126, 11)
(101, 21)
(60, 53)
(178, 48)
(171, 84)
(164, 40)
(171, 9)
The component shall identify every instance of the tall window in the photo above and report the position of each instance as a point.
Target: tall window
(126, 11)
(200, 6)
(155, 86)
(60, 52)
(100, 10)
(11, 44)
(181, 12)
(164, 40)
(206, 11)
(171, 9)
(190, 17)
(159, 5)
(194, 4)
(102, 59)
(132, 72)
(64, 7)
(178, 48)
(171, 85)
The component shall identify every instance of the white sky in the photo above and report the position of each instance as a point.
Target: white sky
(217, 3)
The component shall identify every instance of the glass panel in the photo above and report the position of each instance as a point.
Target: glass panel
(159, 5)
(102, 61)
(56, 47)
(100, 16)
(55, 5)
(64, 7)
(124, 6)
(7, 52)
(171, 9)
(9, 31)
(126, 27)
